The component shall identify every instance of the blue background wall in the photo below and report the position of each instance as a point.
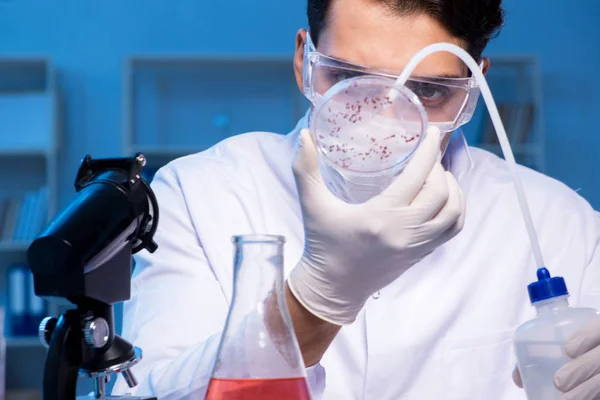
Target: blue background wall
(90, 41)
(565, 35)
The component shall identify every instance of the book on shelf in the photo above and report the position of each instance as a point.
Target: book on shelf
(25, 310)
(22, 218)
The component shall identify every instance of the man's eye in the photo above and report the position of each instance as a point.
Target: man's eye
(430, 94)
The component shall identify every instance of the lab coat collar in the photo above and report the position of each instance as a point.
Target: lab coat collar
(457, 158)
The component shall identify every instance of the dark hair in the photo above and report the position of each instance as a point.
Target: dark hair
(474, 21)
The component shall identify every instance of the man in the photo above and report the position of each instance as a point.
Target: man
(446, 250)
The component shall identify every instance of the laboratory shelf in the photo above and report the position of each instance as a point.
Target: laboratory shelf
(27, 341)
(516, 85)
(10, 246)
(176, 105)
(30, 116)
(25, 152)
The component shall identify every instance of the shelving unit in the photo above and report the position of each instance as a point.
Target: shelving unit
(516, 84)
(29, 150)
(16, 342)
(174, 105)
(11, 246)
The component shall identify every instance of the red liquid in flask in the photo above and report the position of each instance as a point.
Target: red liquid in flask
(258, 389)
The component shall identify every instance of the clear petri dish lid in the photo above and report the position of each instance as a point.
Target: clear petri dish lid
(367, 125)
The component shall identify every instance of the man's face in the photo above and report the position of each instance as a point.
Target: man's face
(370, 34)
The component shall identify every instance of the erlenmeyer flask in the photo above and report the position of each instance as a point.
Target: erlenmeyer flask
(259, 357)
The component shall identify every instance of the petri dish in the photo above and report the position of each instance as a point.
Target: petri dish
(367, 125)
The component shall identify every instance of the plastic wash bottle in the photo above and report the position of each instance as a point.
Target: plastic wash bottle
(539, 343)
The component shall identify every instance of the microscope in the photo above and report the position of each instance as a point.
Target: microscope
(83, 258)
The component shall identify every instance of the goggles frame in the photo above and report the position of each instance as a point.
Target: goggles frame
(313, 59)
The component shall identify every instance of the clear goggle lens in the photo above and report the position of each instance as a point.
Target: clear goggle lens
(444, 99)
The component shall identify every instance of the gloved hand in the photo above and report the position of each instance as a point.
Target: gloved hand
(353, 250)
(579, 379)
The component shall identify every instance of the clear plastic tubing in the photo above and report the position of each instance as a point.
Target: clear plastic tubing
(497, 122)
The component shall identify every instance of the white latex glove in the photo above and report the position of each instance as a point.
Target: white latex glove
(579, 379)
(353, 250)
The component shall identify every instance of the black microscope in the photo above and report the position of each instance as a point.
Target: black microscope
(84, 259)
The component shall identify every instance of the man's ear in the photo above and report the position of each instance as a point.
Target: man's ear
(486, 65)
(299, 57)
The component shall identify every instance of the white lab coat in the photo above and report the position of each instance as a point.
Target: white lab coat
(441, 331)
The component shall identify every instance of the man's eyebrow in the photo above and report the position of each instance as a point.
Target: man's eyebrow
(441, 76)
(342, 59)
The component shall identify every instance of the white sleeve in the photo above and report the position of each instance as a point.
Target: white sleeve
(177, 309)
(590, 290)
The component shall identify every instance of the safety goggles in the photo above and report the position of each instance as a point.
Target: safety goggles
(447, 101)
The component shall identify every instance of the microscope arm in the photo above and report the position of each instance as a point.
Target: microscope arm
(64, 358)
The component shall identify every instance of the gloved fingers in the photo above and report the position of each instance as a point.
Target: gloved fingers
(450, 219)
(306, 166)
(577, 371)
(516, 376)
(409, 183)
(447, 234)
(585, 339)
(432, 198)
(455, 191)
(588, 390)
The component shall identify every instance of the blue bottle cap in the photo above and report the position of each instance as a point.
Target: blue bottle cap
(546, 287)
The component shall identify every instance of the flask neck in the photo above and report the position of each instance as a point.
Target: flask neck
(552, 305)
(258, 271)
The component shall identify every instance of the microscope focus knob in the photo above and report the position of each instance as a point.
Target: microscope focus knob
(96, 333)
(45, 330)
